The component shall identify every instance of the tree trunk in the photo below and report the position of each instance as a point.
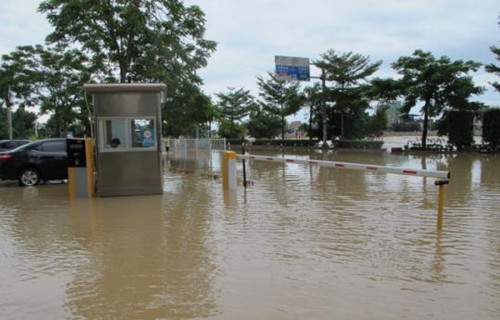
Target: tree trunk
(426, 123)
(123, 74)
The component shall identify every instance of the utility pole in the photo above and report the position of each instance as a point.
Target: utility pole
(9, 112)
(9, 121)
(323, 106)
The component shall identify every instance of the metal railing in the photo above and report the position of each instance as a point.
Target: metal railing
(207, 144)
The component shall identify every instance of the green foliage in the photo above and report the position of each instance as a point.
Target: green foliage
(52, 78)
(439, 83)
(280, 98)
(189, 111)
(492, 68)
(347, 71)
(351, 120)
(378, 122)
(385, 91)
(234, 106)
(491, 127)
(23, 123)
(262, 124)
(460, 128)
(231, 130)
(313, 99)
(144, 41)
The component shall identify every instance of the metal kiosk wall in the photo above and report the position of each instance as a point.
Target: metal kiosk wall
(128, 123)
(80, 167)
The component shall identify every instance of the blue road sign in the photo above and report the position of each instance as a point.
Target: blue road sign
(293, 68)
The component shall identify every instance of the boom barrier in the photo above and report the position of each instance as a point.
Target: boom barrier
(229, 172)
(354, 166)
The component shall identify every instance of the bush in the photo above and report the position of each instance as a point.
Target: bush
(460, 128)
(491, 127)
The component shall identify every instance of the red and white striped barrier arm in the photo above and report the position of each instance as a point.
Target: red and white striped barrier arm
(354, 166)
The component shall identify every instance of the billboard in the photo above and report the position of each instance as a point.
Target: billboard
(292, 68)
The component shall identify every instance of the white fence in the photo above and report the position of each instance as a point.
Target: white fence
(206, 144)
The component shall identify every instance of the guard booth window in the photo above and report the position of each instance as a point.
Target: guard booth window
(120, 134)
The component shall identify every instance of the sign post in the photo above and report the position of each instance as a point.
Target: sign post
(292, 68)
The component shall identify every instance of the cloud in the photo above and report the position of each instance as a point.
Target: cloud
(250, 33)
(21, 24)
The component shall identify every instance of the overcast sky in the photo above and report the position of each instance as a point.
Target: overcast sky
(250, 33)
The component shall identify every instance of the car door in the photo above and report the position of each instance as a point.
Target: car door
(52, 159)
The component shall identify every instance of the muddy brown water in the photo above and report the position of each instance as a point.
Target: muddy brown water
(300, 243)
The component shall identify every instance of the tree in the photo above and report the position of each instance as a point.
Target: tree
(192, 109)
(492, 68)
(280, 98)
(437, 83)
(51, 77)
(347, 71)
(234, 106)
(263, 124)
(491, 128)
(313, 98)
(146, 41)
(23, 123)
(378, 122)
(131, 36)
(231, 130)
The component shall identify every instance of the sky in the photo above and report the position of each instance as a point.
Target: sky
(250, 33)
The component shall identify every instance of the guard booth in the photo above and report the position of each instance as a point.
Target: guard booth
(127, 121)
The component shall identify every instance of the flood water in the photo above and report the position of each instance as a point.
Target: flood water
(299, 243)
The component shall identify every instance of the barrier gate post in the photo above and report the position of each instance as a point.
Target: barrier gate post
(229, 170)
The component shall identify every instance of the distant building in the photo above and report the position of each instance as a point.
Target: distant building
(294, 131)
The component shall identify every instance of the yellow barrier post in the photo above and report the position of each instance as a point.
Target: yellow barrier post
(441, 185)
(89, 157)
(229, 170)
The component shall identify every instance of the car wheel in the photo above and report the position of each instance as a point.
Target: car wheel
(29, 177)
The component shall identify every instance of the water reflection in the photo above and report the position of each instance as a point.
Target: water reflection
(301, 242)
(122, 258)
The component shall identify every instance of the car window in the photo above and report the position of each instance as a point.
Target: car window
(33, 146)
(19, 143)
(6, 145)
(54, 146)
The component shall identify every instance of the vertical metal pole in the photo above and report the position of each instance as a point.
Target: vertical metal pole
(244, 166)
(9, 121)
(323, 106)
